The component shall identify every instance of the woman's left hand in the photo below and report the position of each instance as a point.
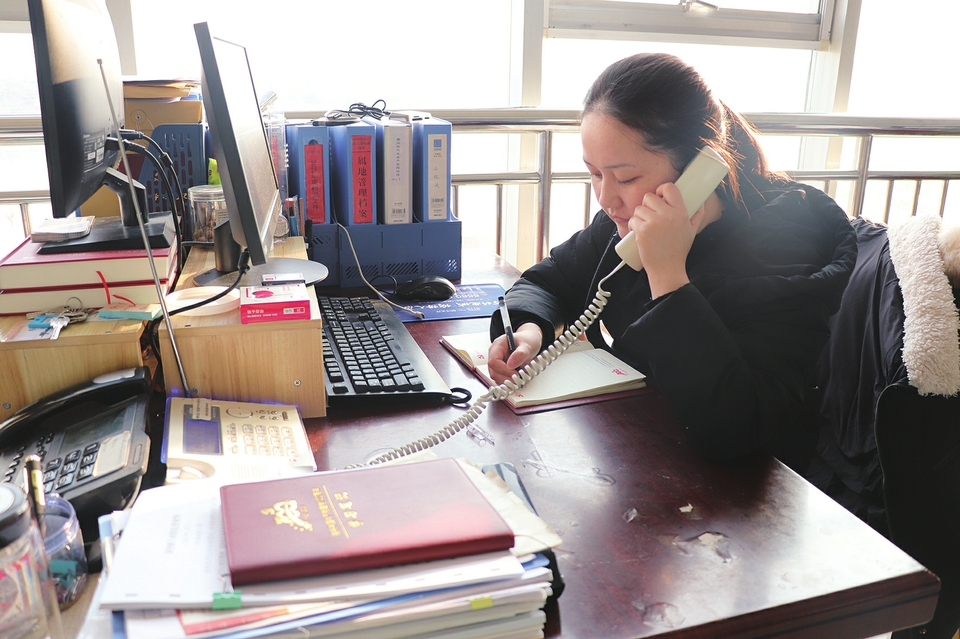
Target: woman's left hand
(664, 235)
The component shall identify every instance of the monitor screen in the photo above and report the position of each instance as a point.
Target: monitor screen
(240, 143)
(69, 37)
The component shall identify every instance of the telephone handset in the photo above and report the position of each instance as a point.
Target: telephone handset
(701, 178)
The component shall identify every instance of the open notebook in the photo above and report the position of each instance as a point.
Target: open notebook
(581, 372)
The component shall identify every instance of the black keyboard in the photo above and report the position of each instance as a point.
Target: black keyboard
(368, 352)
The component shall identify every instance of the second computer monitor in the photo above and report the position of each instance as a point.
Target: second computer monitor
(240, 143)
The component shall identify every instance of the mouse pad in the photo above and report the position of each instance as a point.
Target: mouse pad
(470, 300)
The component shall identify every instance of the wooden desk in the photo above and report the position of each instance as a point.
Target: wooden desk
(658, 541)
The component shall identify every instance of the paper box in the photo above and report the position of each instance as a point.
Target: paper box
(274, 303)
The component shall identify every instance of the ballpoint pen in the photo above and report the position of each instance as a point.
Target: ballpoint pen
(507, 327)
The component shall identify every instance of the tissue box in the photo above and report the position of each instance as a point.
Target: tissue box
(274, 303)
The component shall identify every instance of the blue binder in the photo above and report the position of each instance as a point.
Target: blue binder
(308, 150)
(353, 162)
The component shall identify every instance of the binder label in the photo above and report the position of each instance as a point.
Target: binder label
(313, 177)
(437, 177)
(362, 146)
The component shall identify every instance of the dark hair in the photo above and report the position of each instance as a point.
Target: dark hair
(669, 105)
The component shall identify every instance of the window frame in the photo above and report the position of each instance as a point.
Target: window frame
(689, 21)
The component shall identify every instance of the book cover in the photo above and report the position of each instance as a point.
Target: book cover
(342, 521)
(582, 371)
(26, 268)
(394, 170)
(274, 303)
(353, 161)
(309, 176)
(431, 169)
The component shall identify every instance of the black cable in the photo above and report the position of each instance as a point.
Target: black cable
(136, 148)
(166, 162)
(243, 265)
(376, 112)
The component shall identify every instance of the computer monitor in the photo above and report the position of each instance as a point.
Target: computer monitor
(70, 40)
(246, 168)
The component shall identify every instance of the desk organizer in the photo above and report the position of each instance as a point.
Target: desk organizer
(186, 147)
(388, 252)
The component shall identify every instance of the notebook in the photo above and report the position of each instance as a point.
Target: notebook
(582, 373)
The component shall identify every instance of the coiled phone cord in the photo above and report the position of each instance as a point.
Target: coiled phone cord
(510, 386)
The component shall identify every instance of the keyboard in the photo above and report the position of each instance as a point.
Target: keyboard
(368, 352)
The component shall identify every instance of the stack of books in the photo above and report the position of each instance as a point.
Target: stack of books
(403, 550)
(32, 281)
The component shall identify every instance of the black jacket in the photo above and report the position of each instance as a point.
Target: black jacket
(735, 350)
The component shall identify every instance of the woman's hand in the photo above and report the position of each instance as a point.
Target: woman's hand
(502, 363)
(664, 235)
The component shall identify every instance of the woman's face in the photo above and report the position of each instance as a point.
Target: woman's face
(622, 170)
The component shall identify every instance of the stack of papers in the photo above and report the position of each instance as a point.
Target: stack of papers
(58, 229)
(167, 578)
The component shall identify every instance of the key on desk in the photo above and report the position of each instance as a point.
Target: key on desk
(56, 324)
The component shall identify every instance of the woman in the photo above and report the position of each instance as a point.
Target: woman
(729, 313)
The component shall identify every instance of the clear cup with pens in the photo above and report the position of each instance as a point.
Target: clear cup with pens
(63, 545)
(28, 605)
(60, 531)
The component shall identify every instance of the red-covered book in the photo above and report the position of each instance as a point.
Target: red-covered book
(341, 521)
(26, 268)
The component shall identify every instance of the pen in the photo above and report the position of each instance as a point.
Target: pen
(508, 329)
(33, 486)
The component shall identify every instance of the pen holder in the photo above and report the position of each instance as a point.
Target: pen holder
(63, 545)
(28, 607)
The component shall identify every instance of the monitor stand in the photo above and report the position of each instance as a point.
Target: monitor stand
(111, 234)
(227, 255)
(312, 272)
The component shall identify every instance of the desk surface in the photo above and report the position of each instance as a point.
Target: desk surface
(658, 541)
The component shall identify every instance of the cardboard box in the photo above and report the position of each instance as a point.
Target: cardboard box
(274, 303)
(146, 115)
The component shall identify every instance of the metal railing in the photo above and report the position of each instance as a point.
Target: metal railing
(544, 123)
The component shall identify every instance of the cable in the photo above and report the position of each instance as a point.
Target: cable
(417, 314)
(243, 265)
(167, 162)
(512, 385)
(358, 110)
(136, 148)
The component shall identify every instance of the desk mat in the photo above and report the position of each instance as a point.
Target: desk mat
(470, 301)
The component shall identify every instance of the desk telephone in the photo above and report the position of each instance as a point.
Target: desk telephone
(699, 179)
(92, 439)
(233, 441)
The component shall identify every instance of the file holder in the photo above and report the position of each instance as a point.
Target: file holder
(388, 252)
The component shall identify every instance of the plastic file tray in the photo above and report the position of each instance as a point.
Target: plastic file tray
(185, 145)
(398, 252)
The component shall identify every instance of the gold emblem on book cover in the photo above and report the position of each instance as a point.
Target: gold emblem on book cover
(287, 513)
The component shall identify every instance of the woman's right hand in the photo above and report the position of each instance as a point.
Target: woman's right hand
(502, 363)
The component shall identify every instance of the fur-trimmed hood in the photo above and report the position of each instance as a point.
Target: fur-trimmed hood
(931, 346)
